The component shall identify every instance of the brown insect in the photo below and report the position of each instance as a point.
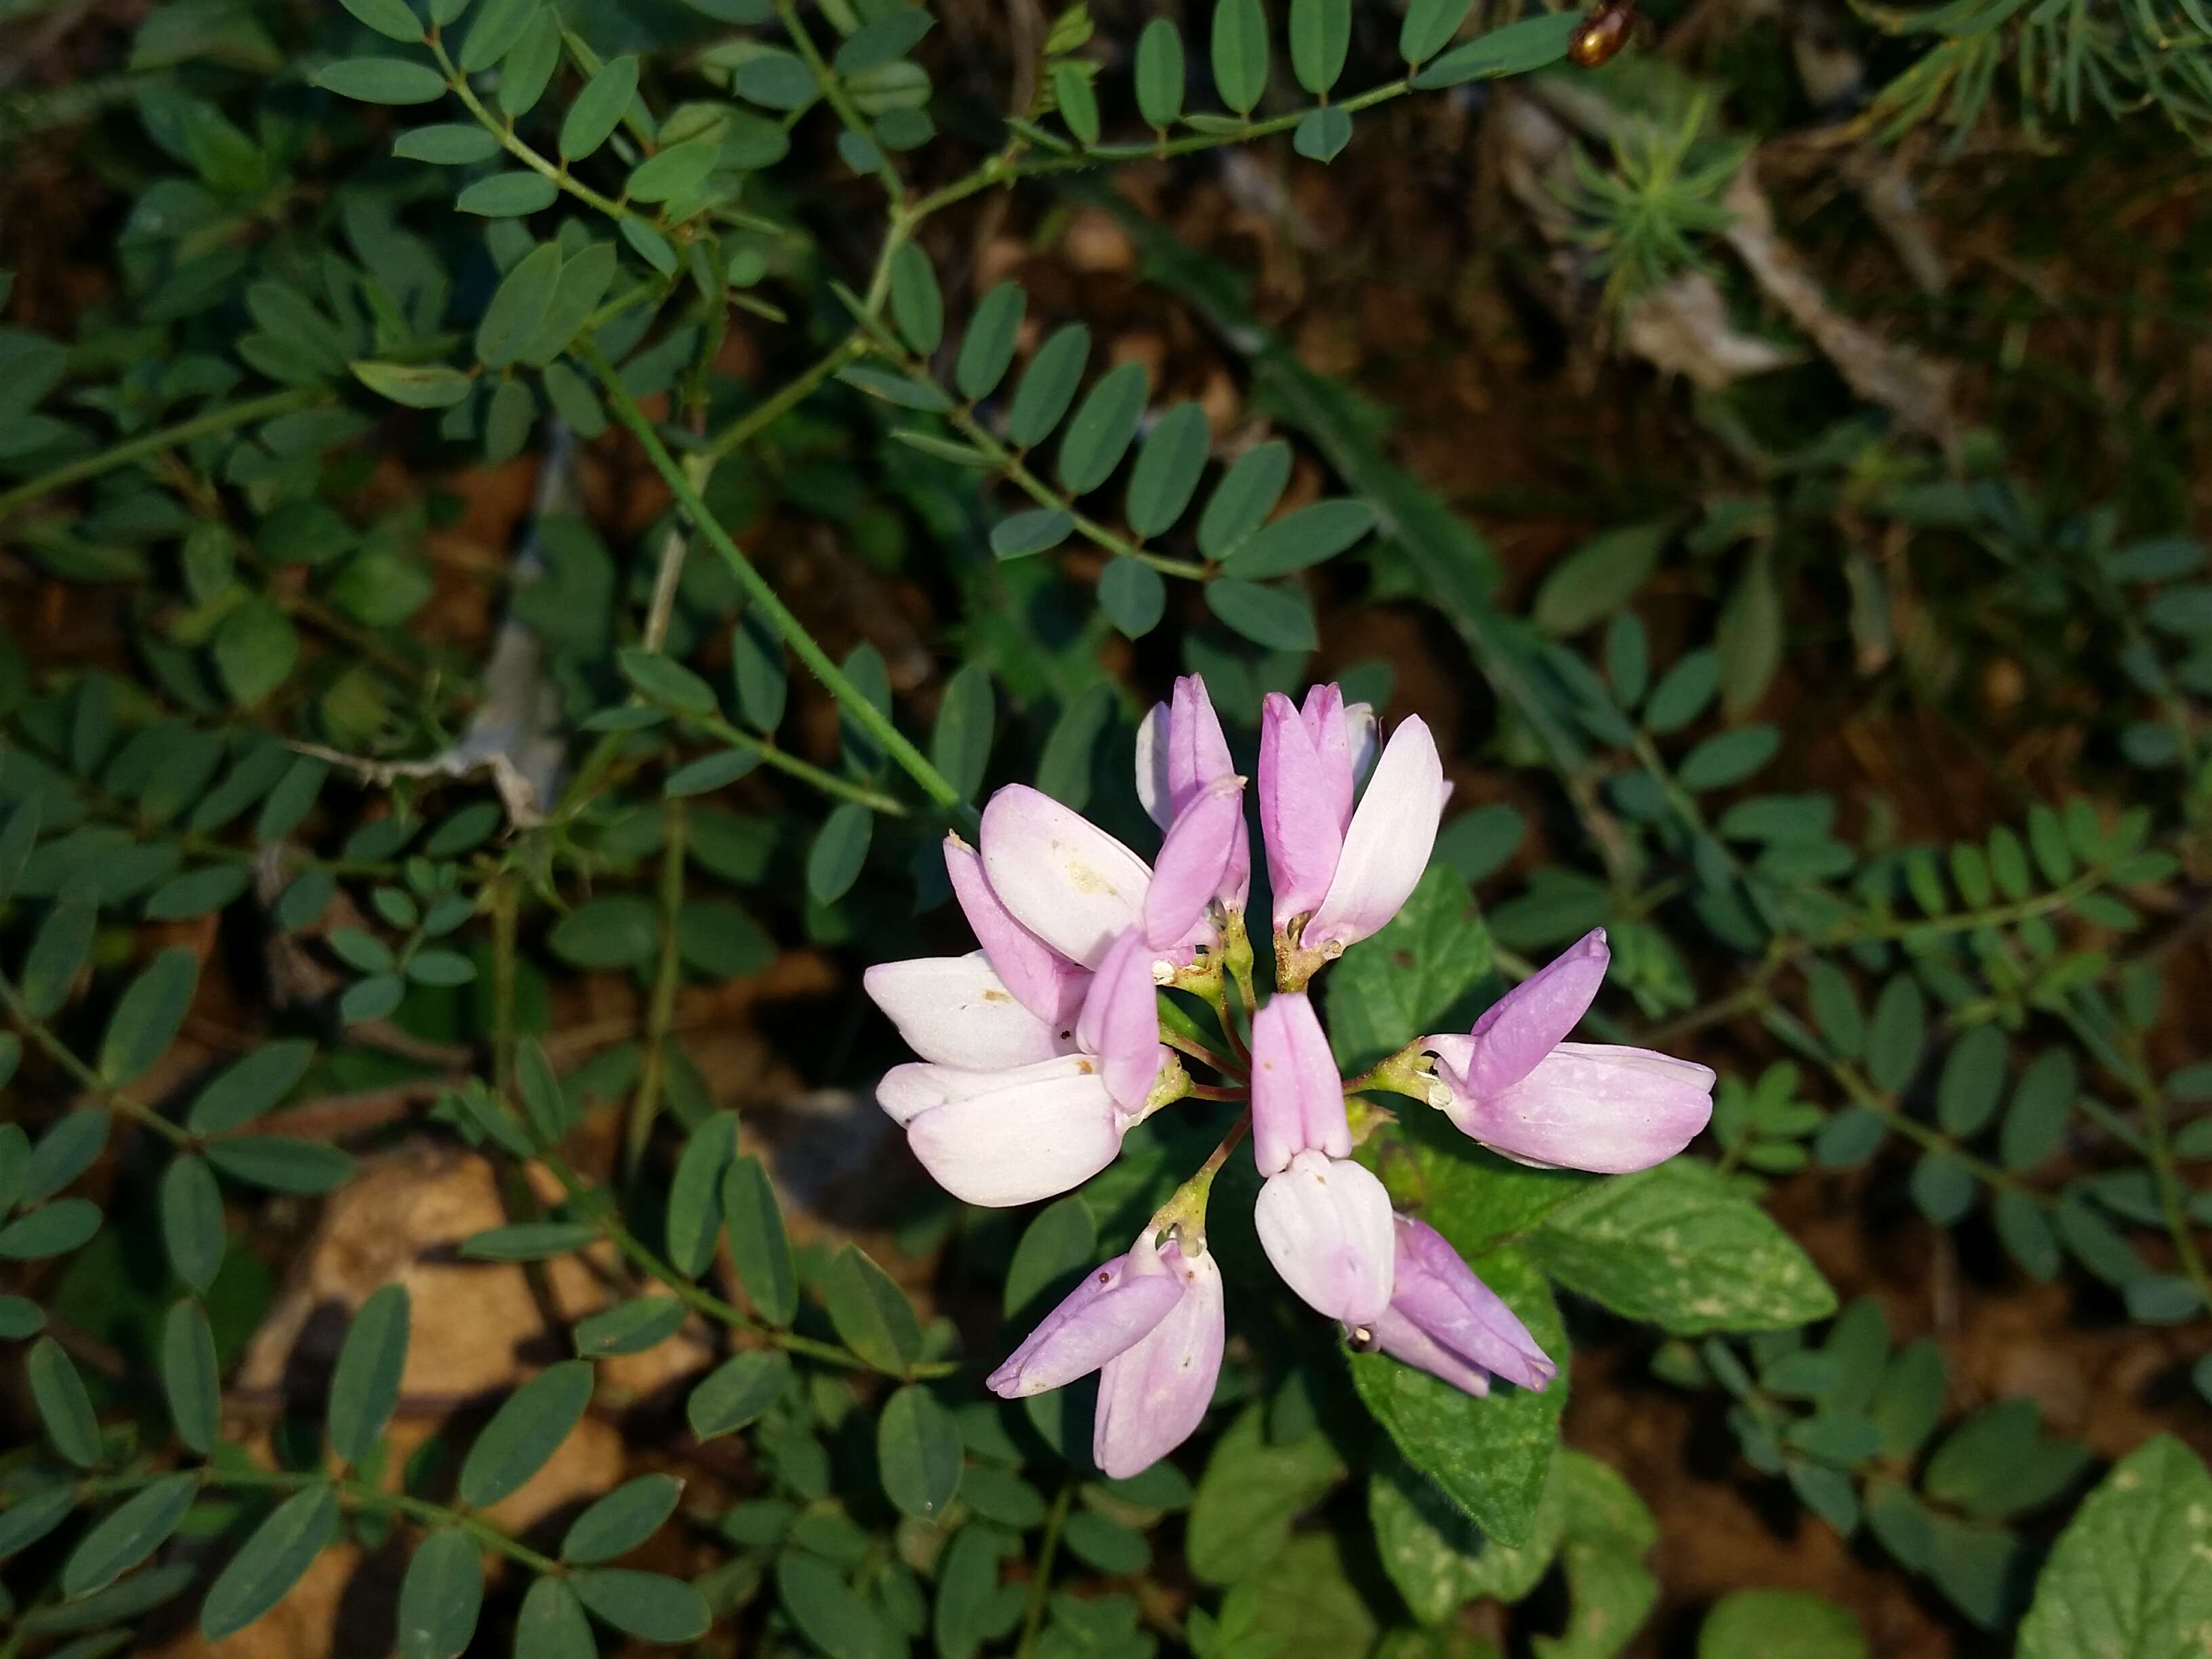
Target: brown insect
(1603, 33)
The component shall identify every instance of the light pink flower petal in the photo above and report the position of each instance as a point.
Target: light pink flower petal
(1153, 789)
(1029, 1140)
(1197, 753)
(1108, 1313)
(1387, 846)
(1304, 836)
(1193, 861)
(1060, 875)
(1120, 1022)
(1591, 1106)
(1153, 1396)
(907, 1092)
(1535, 1015)
(1322, 714)
(1363, 737)
(954, 1010)
(1399, 1337)
(1443, 1298)
(1046, 982)
(1298, 1099)
(1326, 1225)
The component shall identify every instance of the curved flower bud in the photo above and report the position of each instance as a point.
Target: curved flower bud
(1388, 844)
(1153, 1395)
(1045, 982)
(1537, 1015)
(1110, 1312)
(1181, 750)
(1194, 860)
(1298, 821)
(957, 1012)
(1120, 1022)
(1585, 1106)
(1060, 875)
(1298, 1099)
(1446, 1321)
(1326, 1225)
(1324, 716)
(1033, 1133)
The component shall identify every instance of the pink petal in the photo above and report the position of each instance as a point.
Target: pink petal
(954, 1010)
(1401, 1339)
(1322, 714)
(1194, 860)
(1535, 1015)
(1060, 875)
(1046, 982)
(1302, 833)
(1387, 846)
(1153, 789)
(1153, 1396)
(1030, 1140)
(1298, 1099)
(1443, 1297)
(1197, 753)
(1326, 1225)
(1591, 1106)
(1120, 1022)
(1104, 1316)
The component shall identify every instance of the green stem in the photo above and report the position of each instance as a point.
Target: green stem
(35, 1028)
(152, 443)
(1040, 1585)
(762, 414)
(645, 1106)
(863, 712)
(503, 131)
(359, 1493)
(833, 90)
(784, 760)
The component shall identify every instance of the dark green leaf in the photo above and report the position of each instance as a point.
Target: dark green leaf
(872, 1313)
(1514, 50)
(758, 1244)
(1429, 27)
(643, 1604)
(441, 1596)
(623, 1519)
(1280, 618)
(382, 81)
(598, 111)
(526, 1431)
(528, 1241)
(365, 1385)
(282, 1164)
(1102, 429)
(1133, 596)
(918, 1451)
(1048, 386)
(191, 1219)
(695, 1196)
(736, 1393)
(1321, 32)
(622, 930)
(271, 1561)
(839, 850)
(1240, 53)
(552, 1625)
(917, 303)
(1160, 73)
(988, 348)
(147, 1015)
(518, 306)
(1037, 531)
(64, 1406)
(1304, 538)
(1243, 498)
(189, 1379)
(126, 1536)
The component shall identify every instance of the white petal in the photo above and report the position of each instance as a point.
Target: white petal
(1326, 1225)
(907, 1092)
(954, 1010)
(1020, 1144)
(1063, 878)
(1393, 830)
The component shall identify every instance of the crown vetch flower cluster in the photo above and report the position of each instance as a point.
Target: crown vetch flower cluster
(1041, 1050)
